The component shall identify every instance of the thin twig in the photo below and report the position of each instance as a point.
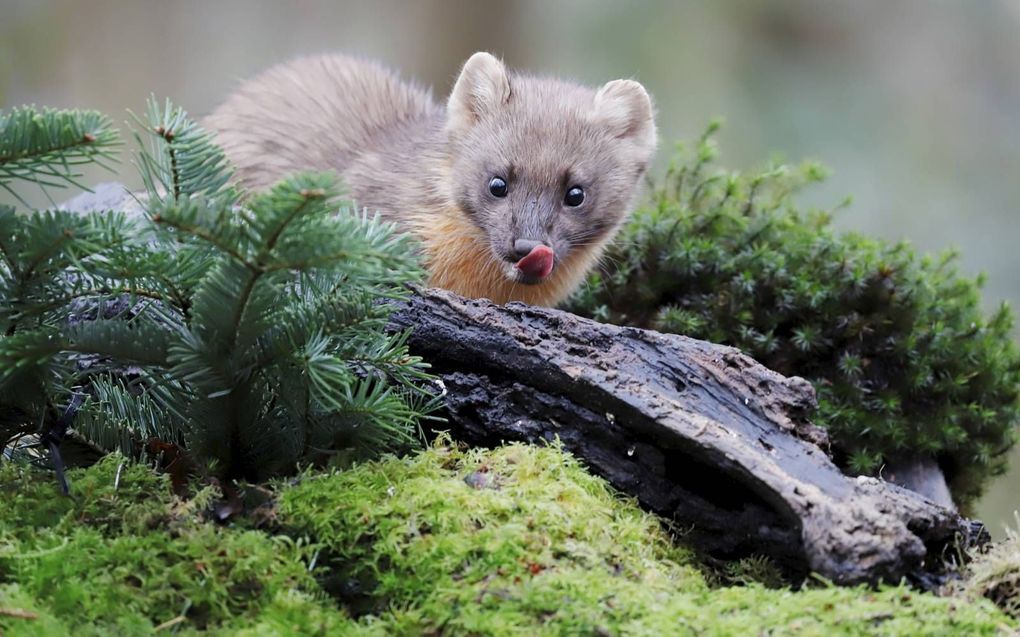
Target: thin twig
(170, 623)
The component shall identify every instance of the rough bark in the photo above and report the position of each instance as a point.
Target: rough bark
(699, 433)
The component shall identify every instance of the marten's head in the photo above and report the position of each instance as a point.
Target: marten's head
(545, 170)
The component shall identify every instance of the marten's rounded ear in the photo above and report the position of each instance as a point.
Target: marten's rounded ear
(483, 86)
(625, 107)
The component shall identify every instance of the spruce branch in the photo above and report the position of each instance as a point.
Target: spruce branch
(180, 158)
(121, 415)
(46, 147)
(8, 222)
(250, 332)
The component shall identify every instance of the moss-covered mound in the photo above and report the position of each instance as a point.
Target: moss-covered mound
(125, 557)
(896, 344)
(519, 540)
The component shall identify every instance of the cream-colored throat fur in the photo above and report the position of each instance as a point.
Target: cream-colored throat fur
(458, 258)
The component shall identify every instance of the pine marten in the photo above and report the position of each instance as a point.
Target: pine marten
(513, 188)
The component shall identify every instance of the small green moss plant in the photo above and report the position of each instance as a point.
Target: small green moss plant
(901, 356)
(247, 329)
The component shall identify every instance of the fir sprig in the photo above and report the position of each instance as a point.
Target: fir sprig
(46, 147)
(180, 158)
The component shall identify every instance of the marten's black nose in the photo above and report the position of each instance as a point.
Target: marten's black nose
(523, 247)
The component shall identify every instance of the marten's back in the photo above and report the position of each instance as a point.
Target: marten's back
(313, 113)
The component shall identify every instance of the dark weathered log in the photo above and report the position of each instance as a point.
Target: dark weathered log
(698, 432)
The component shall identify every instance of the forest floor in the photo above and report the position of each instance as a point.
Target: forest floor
(518, 540)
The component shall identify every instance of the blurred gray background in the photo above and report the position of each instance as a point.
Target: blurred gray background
(913, 104)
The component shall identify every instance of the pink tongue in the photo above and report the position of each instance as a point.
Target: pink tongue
(539, 262)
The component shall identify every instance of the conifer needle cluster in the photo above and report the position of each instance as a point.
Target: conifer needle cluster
(248, 329)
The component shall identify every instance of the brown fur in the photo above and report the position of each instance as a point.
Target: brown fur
(428, 168)
(459, 259)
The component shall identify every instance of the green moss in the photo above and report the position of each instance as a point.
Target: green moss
(538, 531)
(115, 496)
(903, 359)
(21, 615)
(521, 540)
(125, 555)
(206, 575)
(295, 613)
(514, 541)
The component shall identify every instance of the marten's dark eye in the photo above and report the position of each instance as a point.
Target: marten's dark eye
(497, 187)
(575, 197)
